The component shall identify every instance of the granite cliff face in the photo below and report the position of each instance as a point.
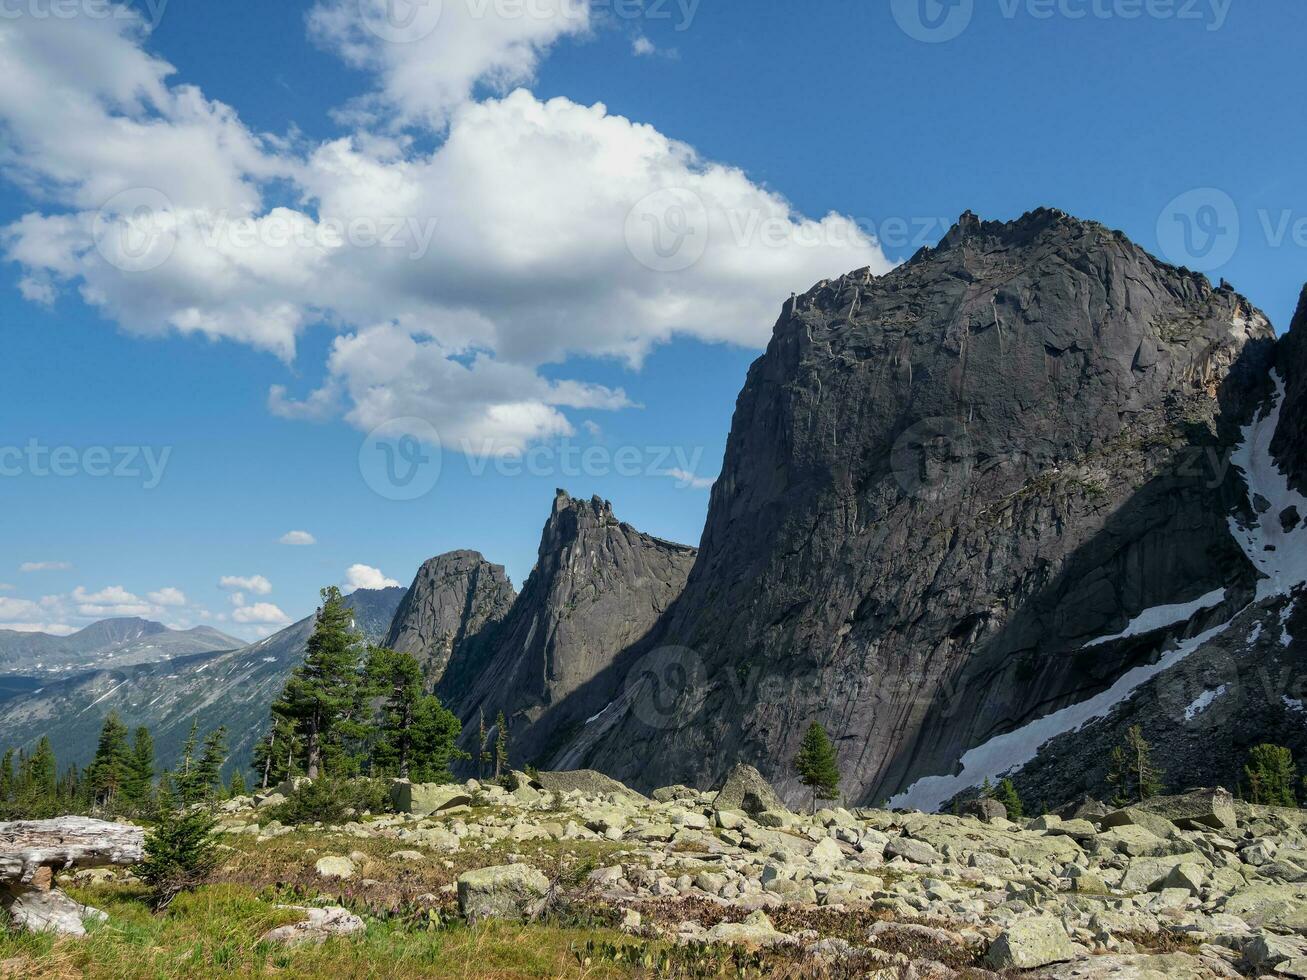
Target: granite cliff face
(453, 597)
(956, 499)
(598, 586)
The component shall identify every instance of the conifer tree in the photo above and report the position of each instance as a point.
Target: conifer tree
(237, 786)
(397, 679)
(435, 741)
(275, 755)
(501, 745)
(817, 765)
(1131, 772)
(1271, 775)
(324, 691)
(207, 780)
(40, 781)
(179, 853)
(184, 782)
(139, 786)
(7, 778)
(109, 770)
(1007, 795)
(483, 741)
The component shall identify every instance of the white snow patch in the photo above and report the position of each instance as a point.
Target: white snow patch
(1010, 751)
(1279, 555)
(102, 696)
(1255, 635)
(602, 711)
(1160, 617)
(269, 660)
(1293, 704)
(1286, 638)
(1202, 703)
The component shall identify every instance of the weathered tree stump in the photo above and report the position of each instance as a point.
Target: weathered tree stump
(31, 851)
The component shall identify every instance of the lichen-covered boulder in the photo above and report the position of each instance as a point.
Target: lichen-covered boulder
(1032, 943)
(744, 788)
(512, 891)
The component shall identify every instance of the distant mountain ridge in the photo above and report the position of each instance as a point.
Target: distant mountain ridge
(121, 641)
(232, 687)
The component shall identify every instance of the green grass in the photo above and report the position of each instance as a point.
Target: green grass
(215, 932)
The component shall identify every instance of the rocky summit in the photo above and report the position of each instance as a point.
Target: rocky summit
(970, 506)
(598, 587)
(453, 597)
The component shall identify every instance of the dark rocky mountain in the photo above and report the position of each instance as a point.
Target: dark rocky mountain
(598, 586)
(233, 688)
(965, 507)
(122, 642)
(453, 597)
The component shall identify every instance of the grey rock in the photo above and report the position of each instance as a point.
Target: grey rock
(947, 481)
(550, 664)
(1031, 943)
(318, 925)
(513, 891)
(454, 596)
(745, 788)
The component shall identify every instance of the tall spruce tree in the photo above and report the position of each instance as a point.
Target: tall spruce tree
(1131, 772)
(111, 769)
(7, 778)
(483, 743)
(138, 791)
(208, 768)
(397, 679)
(276, 755)
(817, 765)
(1007, 795)
(1271, 775)
(501, 745)
(324, 691)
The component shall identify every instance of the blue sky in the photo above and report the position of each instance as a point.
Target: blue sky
(524, 318)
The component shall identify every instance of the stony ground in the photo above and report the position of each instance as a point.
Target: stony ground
(603, 882)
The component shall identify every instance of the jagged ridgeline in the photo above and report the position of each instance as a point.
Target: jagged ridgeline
(978, 517)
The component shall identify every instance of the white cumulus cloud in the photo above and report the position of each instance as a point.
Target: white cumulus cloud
(167, 596)
(366, 577)
(252, 583)
(263, 613)
(515, 233)
(300, 538)
(44, 566)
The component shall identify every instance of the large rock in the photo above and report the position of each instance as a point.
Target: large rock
(1031, 943)
(513, 891)
(1204, 808)
(1148, 873)
(745, 788)
(551, 664)
(942, 484)
(585, 781)
(984, 809)
(453, 597)
(341, 868)
(38, 910)
(1273, 906)
(318, 926)
(426, 798)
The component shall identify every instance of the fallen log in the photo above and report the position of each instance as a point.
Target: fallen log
(31, 851)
